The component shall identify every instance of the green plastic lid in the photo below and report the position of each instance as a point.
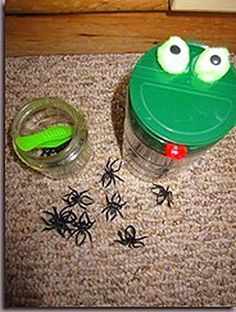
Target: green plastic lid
(182, 108)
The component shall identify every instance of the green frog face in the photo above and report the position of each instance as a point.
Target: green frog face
(209, 66)
(183, 93)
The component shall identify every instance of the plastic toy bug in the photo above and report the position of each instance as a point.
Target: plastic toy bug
(110, 175)
(162, 194)
(81, 228)
(81, 199)
(113, 207)
(59, 221)
(46, 152)
(129, 239)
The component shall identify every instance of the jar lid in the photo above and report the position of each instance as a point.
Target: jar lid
(182, 108)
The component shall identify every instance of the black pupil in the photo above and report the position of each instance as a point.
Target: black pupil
(215, 59)
(175, 49)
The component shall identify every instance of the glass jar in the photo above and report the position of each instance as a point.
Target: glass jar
(56, 163)
(171, 119)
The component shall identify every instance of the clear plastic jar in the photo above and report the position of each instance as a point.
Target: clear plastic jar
(147, 161)
(40, 114)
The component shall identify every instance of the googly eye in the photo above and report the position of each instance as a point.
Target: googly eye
(173, 55)
(212, 64)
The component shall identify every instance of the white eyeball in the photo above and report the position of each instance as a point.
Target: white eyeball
(173, 55)
(212, 64)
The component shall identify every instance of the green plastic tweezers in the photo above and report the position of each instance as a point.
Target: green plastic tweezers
(50, 137)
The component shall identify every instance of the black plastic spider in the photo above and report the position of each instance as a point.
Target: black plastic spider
(129, 238)
(81, 227)
(46, 152)
(164, 168)
(81, 199)
(59, 221)
(109, 175)
(113, 206)
(162, 195)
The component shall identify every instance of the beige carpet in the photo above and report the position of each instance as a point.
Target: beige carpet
(189, 255)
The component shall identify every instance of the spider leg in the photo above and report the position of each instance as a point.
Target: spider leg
(120, 213)
(85, 216)
(65, 200)
(169, 202)
(119, 166)
(72, 233)
(140, 238)
(46, 222)
(158, 194)
(161, 201)
(107, 214)
(62, 212)
(48, 229)
(124, 203)
(163, 193)
(73, 190)
(170, 195)
(119, 178)
(107, 199)
(121, 242)
(89, 236)
(102, 180)
(60, 232)
(66, 197)
(91, 224)
(119, 199)
(68, 214)
(83, 192)
(108, 163)
(66, 230)
(104, 209)
(113, 213)
(112, 164)
(157, 186)
(138, 244)
(70, 204)
(128, 237)
(110, 180)
(113, 179)
(120, 235)
(129, 229)
(87, 200)
(82, 206)
(106, 181)
(49, 213)
(130, 244)
(116, 194)
(77, 238)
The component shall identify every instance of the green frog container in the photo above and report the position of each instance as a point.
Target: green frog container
(172, 118)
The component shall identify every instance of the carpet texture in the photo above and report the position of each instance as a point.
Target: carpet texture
(189, 254)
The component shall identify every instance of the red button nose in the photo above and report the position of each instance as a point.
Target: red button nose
(175, 151)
